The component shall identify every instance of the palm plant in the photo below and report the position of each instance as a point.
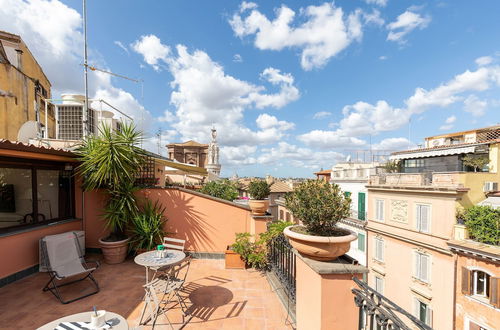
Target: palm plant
(112, 161)
(147, 229)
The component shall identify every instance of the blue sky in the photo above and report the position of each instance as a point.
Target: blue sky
(291, 86)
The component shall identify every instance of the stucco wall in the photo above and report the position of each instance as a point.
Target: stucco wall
(475, 182)
(468, 308)
(402, 288)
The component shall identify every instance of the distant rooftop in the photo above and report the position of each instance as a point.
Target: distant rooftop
(189, 143)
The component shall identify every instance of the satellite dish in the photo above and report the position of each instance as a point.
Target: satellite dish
(29, 130)
(348, 159)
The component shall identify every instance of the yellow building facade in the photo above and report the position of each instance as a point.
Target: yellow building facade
(23, 89)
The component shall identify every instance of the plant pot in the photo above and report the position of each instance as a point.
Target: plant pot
(259, 206)
(233, 260)
(114, 252)
(322, 248)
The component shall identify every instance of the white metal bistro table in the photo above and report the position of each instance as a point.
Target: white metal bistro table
(149, 259)
(116, 321)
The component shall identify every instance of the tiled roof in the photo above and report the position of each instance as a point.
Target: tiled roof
(323, 172)
(476, 248)
(19, 146)
(280, 186)
(189, 143)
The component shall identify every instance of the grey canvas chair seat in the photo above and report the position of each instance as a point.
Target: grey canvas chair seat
(64, 260)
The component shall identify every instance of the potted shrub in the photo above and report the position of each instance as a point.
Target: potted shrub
(111, 161)
(259, 190)
(319, 205)
(147, 227)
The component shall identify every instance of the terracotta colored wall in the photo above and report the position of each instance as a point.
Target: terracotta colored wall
(207, 225)
(401, 287)
(19, 252)
(324, 302)
(468, 308)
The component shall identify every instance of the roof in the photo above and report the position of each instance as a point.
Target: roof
(453, 146)
(463, 132)
(474, 248)
(491, 200)
(280, 186)
(323, 172)
(189, 143)
(19, 149)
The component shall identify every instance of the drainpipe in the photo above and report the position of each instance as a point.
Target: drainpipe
(455, 261)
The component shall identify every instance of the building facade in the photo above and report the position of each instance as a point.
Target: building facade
(411, 217)
(190, 152)
(23, 90)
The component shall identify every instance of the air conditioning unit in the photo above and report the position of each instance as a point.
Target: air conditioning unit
(490, 186)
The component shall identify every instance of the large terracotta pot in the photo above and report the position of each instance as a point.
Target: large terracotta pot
(114, 252)
(233, 260)
(259, 206)
(320, 247)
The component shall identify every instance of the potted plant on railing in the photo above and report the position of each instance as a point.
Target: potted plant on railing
(319, 205)
(111, 161)
(147, 227)
(259, 190)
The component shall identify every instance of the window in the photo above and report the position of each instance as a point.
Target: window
(413, 163)
(32, 194)
(482, 285)
(282, 215)
(379, 284)
(423, 218)
(422, 265)
(361, 242)
(379, 249)
(423, 312)
(287, 216)
(379, 209)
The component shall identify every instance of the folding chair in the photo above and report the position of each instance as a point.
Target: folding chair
(178, 277)
(174, 243)
(64, 260)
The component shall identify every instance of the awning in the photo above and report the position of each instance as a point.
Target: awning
(434, 153)
(493, 201)
(183, 167)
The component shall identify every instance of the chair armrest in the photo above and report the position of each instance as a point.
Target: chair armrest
(96, 262)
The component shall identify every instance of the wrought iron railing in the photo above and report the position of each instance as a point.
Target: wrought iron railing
(378, 312)
(282, 263)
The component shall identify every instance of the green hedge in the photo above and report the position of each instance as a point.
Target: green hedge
(483, 223)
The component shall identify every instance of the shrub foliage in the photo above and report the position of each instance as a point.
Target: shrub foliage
(223, 189)
(259, 189)
(483, 223)
(320, 205)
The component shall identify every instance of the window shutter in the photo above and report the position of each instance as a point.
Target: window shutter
(466, 281)
(424, 267)
(419, 217)
(416, 264)
(495, 291)
(424, 218)
(428, 316)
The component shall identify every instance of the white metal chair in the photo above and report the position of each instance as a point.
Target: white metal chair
(64, 259)
(174, 243)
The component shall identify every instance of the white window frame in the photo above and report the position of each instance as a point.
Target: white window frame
(428, 311)
(418, 224)
(418, 257)
(378, 283)
(379, 211)
(379, 241)
(486, 283)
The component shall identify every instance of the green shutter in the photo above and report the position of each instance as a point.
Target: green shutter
(361, 242)
(361, 206)
(347, 194)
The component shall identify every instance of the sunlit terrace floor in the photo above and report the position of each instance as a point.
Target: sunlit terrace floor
(218, 298)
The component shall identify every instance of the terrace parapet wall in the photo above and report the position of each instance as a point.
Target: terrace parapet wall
(324, 297)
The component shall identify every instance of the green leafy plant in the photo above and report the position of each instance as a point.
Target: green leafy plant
(319, 205)
(255, 253)
(477, 163)
(147, 227)
(111, 161)
(223, 189)
(483, 224)
(391, 166)
(259, 189)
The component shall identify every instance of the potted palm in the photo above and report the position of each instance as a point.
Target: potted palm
(148, 227)
(259, 190)
(111, 161)
(319, 205)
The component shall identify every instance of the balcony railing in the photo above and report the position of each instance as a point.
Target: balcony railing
(282, 263)
(429, 179)
(378, 312)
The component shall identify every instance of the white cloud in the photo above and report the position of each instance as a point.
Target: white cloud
(381, 3)
(393, 144)
(404, 24)
(475, 106)
(373, 18)
(121, 46)
(237, 58)
(325, 32)
(166, 137)
(329, 139)
(265, 121)
(484, 60)
(382, 58)
(321, 115)
(167, 117)
(448, 123)
(152, 50)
